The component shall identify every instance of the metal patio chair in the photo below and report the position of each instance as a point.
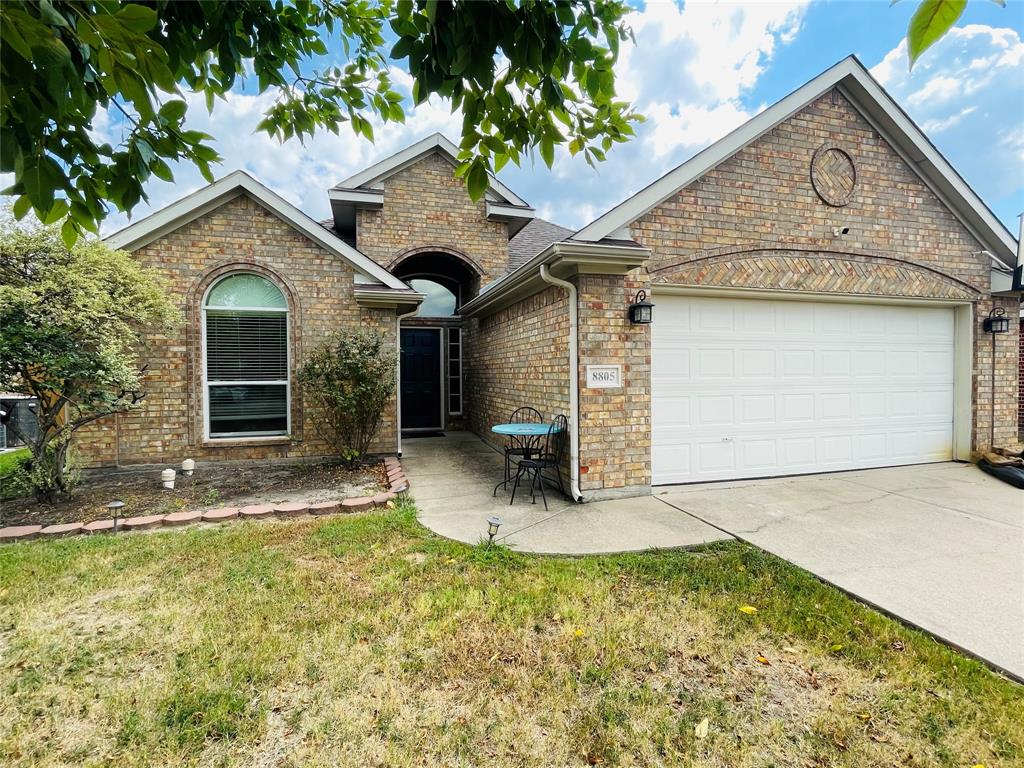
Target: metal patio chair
(519, 445)
(550, 457)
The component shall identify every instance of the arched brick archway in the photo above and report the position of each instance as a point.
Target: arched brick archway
(447, 266)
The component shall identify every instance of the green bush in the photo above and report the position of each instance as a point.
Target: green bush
(350, 378)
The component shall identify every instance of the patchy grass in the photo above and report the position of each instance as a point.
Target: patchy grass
(365, 640)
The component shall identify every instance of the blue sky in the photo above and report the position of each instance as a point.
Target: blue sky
(697, 71)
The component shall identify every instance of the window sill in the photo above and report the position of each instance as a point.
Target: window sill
(243, 442)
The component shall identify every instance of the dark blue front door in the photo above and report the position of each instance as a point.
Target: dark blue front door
(421, 378)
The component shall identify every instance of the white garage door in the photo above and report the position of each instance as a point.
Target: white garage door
(756, 388)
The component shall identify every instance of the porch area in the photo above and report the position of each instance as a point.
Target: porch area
(453, 478)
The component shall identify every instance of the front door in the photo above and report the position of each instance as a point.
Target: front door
(421, 379)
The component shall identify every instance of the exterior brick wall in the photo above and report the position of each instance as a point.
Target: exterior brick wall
(615, 424)
(425, 205)
(238, 236)
(1020, 382)
(517, 357)
(756, 221)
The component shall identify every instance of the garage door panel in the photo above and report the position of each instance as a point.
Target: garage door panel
(779, 387)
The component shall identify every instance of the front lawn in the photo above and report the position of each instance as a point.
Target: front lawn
(367, 641)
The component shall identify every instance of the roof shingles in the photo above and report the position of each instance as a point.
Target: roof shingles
(532, 239)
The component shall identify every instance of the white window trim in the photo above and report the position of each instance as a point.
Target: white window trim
(448, 360)
(235, 437)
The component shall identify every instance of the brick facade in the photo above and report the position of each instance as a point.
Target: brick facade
(615, 424)
(425, 206)
(1020, 382)
(756, 221)
(516, 357)
(238, 236)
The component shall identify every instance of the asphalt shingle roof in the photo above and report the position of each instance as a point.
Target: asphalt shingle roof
(532, 239)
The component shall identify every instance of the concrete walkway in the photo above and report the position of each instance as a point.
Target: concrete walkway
(452, 479)
(939, 545)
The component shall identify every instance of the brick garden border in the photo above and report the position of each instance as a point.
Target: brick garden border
(397, 482)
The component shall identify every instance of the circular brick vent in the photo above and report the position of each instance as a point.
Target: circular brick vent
(833, 175)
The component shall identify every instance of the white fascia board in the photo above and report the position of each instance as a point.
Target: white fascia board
(206, 199)
(358, 197)
(500, 212)
(403, 159)
(869, 97)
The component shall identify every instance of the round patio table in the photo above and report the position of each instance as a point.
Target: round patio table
(530, 433)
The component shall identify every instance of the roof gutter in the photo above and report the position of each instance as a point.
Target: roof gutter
(562, 259)
(574, 381)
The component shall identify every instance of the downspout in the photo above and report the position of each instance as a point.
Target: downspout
(398, 374)
(574, 381)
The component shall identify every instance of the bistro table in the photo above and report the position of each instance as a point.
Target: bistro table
(531, 435)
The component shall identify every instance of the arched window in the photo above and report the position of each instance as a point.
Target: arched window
(245, 326)
(440, 301)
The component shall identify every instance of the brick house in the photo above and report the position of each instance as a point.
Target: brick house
(820, 277)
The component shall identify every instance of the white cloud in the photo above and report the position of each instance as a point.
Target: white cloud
(693, 126)
(967, 94)
(942, 124)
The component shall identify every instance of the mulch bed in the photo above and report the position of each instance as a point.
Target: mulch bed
(210, 486)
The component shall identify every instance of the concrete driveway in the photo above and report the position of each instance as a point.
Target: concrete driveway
(939, 545)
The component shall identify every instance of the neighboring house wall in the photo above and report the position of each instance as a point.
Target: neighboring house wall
(238, 236)
(425, 205)
(518, 356)
(755, 221)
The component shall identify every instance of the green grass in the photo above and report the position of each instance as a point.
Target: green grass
(367, 641)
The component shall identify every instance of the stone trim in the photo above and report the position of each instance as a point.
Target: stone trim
(398, 483)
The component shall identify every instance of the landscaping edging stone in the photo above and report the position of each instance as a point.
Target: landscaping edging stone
(397, 482)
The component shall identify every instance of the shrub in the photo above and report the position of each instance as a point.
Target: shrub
(351, 378)
(72, 322)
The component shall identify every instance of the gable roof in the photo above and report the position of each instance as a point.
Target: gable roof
(214, 195)
(436, 142)
(878, 108)
(532, 239)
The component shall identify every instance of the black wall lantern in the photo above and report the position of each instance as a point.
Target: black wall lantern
(641, 311)
(996, 322)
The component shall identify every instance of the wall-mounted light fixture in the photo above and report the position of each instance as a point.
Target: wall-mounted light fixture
(641, 311)
(840, 231)
(996, 322)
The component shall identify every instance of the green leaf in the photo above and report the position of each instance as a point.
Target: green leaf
(21, 207)
(69, 234)
(174, 111)
(476, 179)
(57, 211)
(138, 18)
(930, 22)
(547, 151)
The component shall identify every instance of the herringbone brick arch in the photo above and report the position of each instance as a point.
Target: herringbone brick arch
(818, 272)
